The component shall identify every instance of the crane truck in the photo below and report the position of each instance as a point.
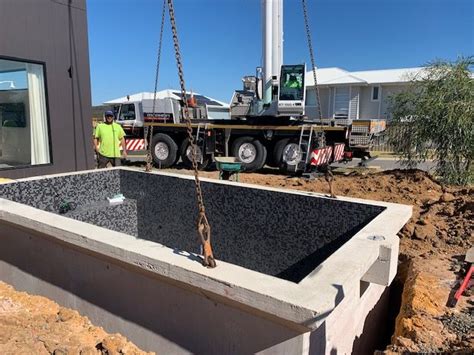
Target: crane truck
(265, 123)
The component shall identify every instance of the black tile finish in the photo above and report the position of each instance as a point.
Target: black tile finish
(49, 194)
(121, 217)
(281, 234)
(276, 233)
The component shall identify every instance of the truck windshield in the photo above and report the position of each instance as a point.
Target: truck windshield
(292, 82)
(127, 112)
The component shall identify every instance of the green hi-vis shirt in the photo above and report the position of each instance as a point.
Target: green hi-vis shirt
(109, 136)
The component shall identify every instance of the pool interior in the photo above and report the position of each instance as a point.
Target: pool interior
(281, 234)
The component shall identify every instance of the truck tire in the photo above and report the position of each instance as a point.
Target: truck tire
(164, 150)
(286, 155)
(251, 152)
(186, 156)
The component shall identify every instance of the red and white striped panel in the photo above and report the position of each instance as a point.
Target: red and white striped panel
(321, 156)
(328, 155)
(338, 151)
(135, 144)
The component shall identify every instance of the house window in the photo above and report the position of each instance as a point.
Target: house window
(375, 93)
(24, 134)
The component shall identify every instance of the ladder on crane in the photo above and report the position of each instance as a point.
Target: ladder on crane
(304, 144)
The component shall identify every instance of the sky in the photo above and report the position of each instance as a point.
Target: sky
(221, 40)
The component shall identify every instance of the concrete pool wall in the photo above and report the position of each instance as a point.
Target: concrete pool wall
(294, 268)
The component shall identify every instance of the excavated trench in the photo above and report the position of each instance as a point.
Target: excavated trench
(395, 292)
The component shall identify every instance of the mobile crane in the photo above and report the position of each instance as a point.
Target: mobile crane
(265, 123)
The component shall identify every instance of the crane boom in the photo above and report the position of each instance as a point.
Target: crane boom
(272, 44)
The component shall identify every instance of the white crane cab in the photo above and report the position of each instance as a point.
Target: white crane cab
(292, 90)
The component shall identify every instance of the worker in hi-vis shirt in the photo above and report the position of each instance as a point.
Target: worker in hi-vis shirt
(108, 138)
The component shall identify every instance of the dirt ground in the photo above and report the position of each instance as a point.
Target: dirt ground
(36, 325)
(433, 245)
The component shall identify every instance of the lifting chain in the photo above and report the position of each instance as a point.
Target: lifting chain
(311, 54)
(321, 136)
(203, 227)
(149, 137)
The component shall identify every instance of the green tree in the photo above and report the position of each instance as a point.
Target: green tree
(434, 119)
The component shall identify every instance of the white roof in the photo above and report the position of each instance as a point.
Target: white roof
(388, 75)
(163, 94)
(329, 76)
(338, 76)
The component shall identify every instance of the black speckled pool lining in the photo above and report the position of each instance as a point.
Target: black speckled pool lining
(280, 234)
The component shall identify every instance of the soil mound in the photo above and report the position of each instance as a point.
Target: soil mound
(37, 325)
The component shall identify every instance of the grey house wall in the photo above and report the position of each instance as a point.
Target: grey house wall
(325, 101)
(40, 31)
(370, 109)
(361, 105)
(367, 107)
(311, 105)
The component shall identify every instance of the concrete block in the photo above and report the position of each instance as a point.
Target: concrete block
(384, 269)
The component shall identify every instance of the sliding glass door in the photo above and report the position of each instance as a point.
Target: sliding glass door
(24, 134)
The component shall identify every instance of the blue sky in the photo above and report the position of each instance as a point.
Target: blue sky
(221, 40)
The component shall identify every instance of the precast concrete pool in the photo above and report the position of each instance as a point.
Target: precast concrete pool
(120, 246)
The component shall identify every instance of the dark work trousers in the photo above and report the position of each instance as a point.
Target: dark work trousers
(103, 161)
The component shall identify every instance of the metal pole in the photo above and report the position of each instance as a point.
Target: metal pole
(267, 50)
(276, 37)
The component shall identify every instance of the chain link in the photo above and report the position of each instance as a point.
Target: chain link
(149, 137)
(204, 229)
(311, 54)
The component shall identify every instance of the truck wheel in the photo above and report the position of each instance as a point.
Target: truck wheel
(164, 150)
(287, 155)
(250, 152)
(186, 156)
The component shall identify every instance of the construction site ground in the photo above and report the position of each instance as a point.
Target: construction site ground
(432, 250)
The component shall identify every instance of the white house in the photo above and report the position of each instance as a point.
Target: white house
(355, 95)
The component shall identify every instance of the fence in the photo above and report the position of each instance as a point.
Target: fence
(381, 143)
